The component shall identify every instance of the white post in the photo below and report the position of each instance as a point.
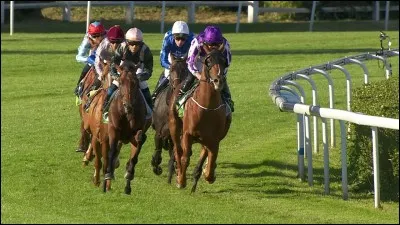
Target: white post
(87, 16)
(2, 12)
(11, 17)
(326, 155)
(191, 12)
(300, 145)
(344, 160)
(252, 12)
(387, 15)
(308, 150)
(377, 10)
(314, 3)
(67, 12)
(162, 16)
(238, 16)
(375, 158)
(130, 13)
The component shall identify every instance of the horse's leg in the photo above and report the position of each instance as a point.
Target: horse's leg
(112, 156)
(209, 172)
(88, 156)
(84, 140)
(136, 145)
(105, 147)
(175, 131)
(97, 162)
(185, 159)
(198, 169)
(157, 158)
(171, 162)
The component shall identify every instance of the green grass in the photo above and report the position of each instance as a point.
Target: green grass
(43, 180)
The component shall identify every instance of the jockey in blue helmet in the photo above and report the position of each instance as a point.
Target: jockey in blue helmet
(211, 38)
(176, 41)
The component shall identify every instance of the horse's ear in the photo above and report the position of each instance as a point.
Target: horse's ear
(206, 49)
(221, 48)
(173, 57)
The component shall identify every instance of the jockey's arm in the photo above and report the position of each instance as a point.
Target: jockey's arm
(83, 50)
(165, 50)
(148, 65)
(228, 55)
(100, 56)
(192, 55)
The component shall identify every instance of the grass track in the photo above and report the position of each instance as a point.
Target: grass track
(43, 181)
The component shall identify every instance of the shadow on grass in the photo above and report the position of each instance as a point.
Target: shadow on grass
(275, 184)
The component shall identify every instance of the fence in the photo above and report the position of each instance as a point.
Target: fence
(253, 9)
(291, 101)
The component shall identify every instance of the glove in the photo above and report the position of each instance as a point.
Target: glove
(90, 59)
(143, 76)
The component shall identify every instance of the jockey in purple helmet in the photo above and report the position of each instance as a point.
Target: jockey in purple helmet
(211, 39)
(87, 49)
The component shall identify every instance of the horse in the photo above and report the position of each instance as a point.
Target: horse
(84, 141)
(93, 125)
(162, 137)
(205, 121)
(127, 123)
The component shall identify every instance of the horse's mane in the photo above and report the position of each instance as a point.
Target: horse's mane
(128, 66)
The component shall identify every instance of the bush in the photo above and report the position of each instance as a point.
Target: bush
(380, 99)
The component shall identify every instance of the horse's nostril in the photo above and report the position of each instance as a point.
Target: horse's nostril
(216, 80)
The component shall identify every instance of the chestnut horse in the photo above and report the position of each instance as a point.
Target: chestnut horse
(162, 137)
(92, 125)
(205, 121)
(127, 123)
(84, 140)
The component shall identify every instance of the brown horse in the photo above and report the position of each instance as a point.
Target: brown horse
(162, 137)
(205, 121)
(92, 124)
(127, 123)
(85, 136)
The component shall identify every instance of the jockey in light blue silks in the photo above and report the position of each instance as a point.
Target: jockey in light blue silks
(87, 50)
(176, 41)
(211, 39)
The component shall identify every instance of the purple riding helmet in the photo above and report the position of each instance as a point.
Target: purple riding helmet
(212, 35)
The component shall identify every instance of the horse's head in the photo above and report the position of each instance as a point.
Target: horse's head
(178, 70)
(128, 84)
(214, 65)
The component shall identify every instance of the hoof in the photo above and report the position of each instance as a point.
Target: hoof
(157, 170)
(128, 190)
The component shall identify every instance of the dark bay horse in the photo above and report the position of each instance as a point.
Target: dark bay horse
(162, 137)
(127, 123)
(205, 121)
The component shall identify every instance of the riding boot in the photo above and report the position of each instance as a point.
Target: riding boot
(186, 85)
(160, 86)
(95, 86)
(226, 95)
(110, 91)
(147, 97)
(85, 70)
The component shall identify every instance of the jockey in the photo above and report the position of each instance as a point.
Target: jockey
(211, 38)
(136, 51)
(176, 41)
(87, 49)
(105, 52)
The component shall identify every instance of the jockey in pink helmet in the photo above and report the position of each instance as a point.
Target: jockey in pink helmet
(210, 38)
(87, 49)
(104, 53)
(134, 49)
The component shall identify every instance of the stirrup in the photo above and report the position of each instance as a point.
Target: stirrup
(105, 117)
